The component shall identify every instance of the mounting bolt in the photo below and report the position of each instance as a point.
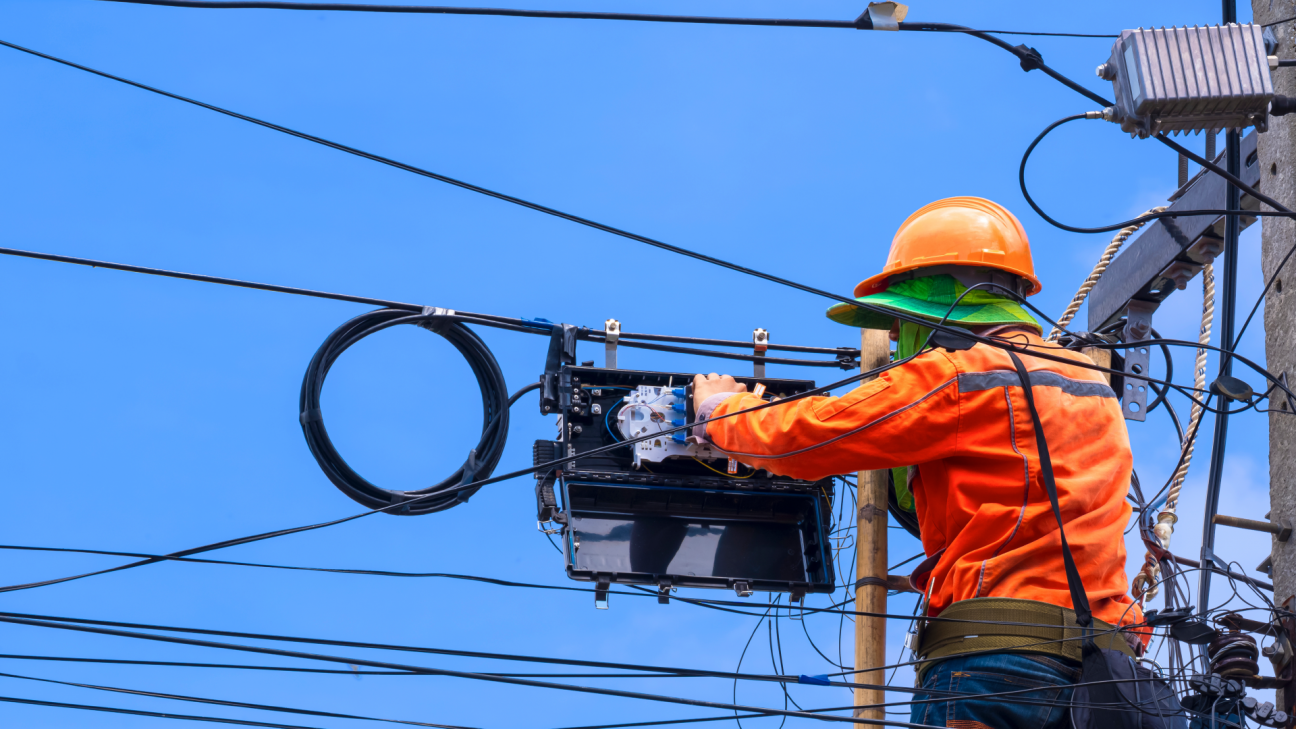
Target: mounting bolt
(596, 409)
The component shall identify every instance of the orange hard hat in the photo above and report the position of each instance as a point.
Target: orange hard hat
(960, 231)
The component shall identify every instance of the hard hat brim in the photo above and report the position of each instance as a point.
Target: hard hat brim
(877, 284)
(1008, 312)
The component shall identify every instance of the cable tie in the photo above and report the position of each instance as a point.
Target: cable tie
(820, 680)
(873, 581)
(311, 416)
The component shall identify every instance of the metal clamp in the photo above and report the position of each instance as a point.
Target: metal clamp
(1138, 359)
(612, 332)
(601, 594)
(742, 589)
(760, 344)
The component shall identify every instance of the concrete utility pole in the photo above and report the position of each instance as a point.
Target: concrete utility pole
(1277, 152)
(871, 556)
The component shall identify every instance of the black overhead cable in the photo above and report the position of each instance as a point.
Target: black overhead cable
(663, 722)
(861, 23)
(453, 674)
(1034, 62)
(566, 216)
(86, 627)
(525, 326)
(222, 702)
(490, 320)
(439, 177)
(301, 669)
(1033, 58)
(155, 714)
(486, 319)
(1279, 210)
(701, 602)
(58, 621)
(1022, 54)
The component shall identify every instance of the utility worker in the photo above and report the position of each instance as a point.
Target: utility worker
(955, 425)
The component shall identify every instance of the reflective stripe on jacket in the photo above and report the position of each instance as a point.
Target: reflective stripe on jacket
(961, 418)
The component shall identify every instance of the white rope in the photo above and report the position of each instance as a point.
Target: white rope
(1144, 587)
(1107, 256)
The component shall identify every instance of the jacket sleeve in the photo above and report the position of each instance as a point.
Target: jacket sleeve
(908, 415)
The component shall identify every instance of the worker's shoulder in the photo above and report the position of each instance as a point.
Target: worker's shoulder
(1035, 353)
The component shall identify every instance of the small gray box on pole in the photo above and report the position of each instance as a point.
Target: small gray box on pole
(1189, 79)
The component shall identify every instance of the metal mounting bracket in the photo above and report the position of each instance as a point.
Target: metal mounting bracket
(663, 592)
(601, 594)
(760, 343)
(1287, 404)
(1208, 557)
(1138, 359)
(612, 331)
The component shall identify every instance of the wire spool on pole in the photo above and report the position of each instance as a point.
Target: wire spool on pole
(481, 459)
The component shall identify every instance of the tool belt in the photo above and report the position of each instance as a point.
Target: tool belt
(1051, 631)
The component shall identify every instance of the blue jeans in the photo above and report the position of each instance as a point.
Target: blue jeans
(994, 673)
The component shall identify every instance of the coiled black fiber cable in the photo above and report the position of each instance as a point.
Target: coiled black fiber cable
(481, 460)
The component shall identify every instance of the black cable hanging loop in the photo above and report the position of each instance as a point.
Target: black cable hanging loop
(481, 460)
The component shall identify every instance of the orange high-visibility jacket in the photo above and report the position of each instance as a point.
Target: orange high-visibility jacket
(961, 418)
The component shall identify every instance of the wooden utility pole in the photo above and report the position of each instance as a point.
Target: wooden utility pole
(1276, 150)
(871, 556)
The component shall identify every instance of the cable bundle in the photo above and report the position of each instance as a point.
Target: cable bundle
(481, 459)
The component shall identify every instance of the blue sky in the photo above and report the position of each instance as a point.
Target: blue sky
(146, 414)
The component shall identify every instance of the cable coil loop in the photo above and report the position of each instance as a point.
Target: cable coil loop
(481, 460)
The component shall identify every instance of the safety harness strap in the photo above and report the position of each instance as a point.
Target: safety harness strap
(1079, 600)
(1107, 703)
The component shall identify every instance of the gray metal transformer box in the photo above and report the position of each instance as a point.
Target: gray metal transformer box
(1190, 79)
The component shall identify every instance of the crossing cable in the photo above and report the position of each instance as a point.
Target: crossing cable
(486, 319)
(44, 621)
(617, 231)
(904, 316)
(1279, 210)
(1032, 57)
(222, 702)
(452, 673)
(846, 356)
(521, 325)
(1099, 268)
(301, 669)
(86, 627)
(700, 602)
(24, 49)
(155, 714)
(861, 23)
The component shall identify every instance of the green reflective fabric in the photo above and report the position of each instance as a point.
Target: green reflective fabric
(931, 297)
(911, 339)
